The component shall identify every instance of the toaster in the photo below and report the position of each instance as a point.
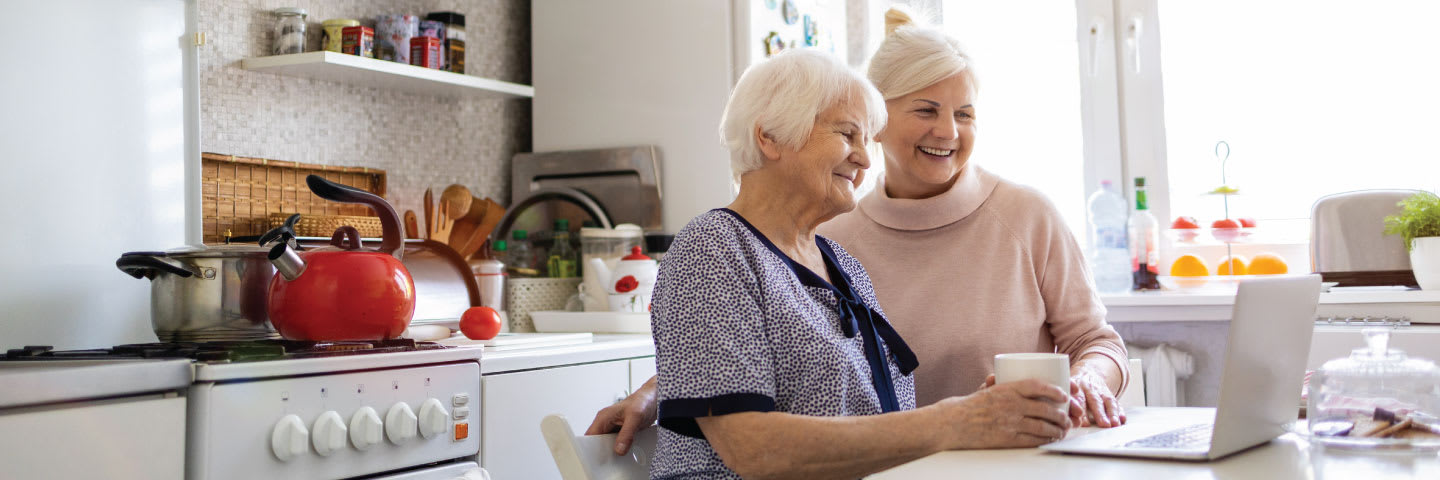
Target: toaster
(1348, 244)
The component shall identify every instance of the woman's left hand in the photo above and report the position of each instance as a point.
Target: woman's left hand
(1091, 402)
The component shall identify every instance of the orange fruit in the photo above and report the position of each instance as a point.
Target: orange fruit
(1189, 266)
(1268, 264)
(1231, 265)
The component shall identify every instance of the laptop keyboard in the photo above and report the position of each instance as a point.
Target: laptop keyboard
(1194, 436)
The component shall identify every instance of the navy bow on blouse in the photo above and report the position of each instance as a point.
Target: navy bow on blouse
(857, 317)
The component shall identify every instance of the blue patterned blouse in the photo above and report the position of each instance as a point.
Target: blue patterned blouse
(740, 327)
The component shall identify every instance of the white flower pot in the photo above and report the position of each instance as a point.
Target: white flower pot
(1425, 261)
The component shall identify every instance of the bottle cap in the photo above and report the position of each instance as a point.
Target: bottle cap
(1139, 181)
(289, 11)
(500, 246)
(518, 234)
(562, 224)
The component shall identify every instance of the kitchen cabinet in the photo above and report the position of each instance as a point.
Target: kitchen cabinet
(641, 369)
(513, 404)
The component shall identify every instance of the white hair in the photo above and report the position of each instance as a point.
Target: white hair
(913, 56)
(783, 96)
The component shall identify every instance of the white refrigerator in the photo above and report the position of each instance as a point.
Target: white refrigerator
(658, 72)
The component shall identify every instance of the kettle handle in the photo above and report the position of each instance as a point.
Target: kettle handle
(393, 241)
(148, 264)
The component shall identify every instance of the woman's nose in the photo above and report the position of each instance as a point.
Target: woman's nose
(861, 157)
(945, 128)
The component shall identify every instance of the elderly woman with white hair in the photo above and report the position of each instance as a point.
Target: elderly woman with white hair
(774, 357)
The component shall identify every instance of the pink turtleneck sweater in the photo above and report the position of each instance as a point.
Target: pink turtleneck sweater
(987, 267)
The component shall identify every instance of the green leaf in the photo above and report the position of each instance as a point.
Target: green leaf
(1419, 217)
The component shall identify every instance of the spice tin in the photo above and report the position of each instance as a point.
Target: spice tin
(358, 40)
(425, 52)
(392, 36)
(332, 38)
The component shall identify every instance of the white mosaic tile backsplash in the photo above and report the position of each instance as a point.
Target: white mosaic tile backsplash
(420, 141)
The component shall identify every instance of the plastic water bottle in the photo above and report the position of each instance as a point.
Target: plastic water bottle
(1109, 256)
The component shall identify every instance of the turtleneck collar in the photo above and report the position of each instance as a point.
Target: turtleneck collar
(962, 199)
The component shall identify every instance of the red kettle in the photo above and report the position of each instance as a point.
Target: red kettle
(340, 292)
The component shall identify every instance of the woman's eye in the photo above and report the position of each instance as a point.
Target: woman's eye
(963, 115)
(926, 112)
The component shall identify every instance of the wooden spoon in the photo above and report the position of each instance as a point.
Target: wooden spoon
(429, 215)
(459, 198)
(493, 213)
(412, 227)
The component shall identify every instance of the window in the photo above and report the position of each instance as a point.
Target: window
(1028, 111)
(1314, 98)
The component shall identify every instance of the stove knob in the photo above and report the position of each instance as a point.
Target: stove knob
(329, 434)
(400, 423)
(289, 439)
(365, 428)
(434, 420)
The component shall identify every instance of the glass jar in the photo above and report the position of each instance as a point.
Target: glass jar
(289, 32)
(607, 246)
(1376, 397)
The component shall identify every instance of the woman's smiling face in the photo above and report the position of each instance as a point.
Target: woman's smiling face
(832, 162)
(929, 137)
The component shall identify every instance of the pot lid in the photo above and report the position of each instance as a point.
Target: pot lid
(204, 251)
(635, 255)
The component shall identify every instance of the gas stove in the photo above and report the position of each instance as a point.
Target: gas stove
(284, 409)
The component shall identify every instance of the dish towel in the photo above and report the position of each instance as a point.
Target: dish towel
(1165, 368)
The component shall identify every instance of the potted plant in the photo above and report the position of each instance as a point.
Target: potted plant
(1419, 223)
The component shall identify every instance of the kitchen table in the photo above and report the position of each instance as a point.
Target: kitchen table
(1286, 457)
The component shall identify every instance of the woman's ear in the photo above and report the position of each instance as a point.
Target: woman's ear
(768, 146)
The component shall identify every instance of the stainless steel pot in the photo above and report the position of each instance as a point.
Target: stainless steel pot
(206, 293)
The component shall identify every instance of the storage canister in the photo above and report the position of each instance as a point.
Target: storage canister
(454, 39)
(358, 40)
(392, 36)
(425, 52)
(436, 30)
(332, 38)
(289, 32)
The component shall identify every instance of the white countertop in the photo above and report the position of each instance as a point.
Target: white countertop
(602, 348)
(1287, 457)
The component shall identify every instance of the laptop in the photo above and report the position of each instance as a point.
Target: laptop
(1264, 367)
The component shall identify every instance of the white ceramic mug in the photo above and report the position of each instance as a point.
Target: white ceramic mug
(1051, 368)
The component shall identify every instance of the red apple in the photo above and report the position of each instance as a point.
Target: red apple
(1225, 223)
(1185, 222)
(1247, 222)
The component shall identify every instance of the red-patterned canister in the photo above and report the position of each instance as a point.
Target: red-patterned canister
(358, 40)
(425, 52)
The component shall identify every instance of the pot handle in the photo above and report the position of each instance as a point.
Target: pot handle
(149, 264)
(393, 240)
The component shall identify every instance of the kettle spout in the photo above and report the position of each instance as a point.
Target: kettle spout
(286, 261)
(602, 271)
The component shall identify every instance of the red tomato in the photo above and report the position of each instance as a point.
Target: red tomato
(1225, 223)
(1185, 222)
(480, 323)
(1247, 222)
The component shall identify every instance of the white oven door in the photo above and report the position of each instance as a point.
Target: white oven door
(449, 471)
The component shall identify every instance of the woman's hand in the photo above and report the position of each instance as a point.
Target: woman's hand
(1026, 413)
(1091, 402)
(632, 414)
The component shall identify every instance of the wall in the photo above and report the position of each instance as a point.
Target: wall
(420, 141)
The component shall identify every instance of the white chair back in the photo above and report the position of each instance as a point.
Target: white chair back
(592, 457)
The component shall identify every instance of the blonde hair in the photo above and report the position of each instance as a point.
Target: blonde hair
(783, 96)
(914, 56)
